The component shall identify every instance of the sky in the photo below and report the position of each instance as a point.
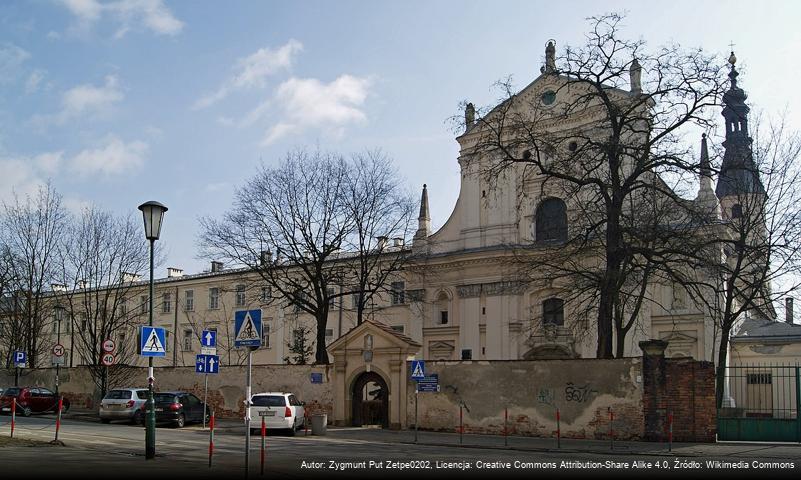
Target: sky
(123, 101)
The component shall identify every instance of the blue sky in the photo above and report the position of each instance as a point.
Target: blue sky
(123, 101)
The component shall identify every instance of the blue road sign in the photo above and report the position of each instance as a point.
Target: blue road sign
(247, 325)
(429, 383)
(207, 364)
(152, 342)
(208, 338)
(316, 378)
(20, 359)
(418, 369)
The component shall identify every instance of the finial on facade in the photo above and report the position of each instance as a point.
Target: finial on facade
(469, 117)
(550, 56)
(635, 75)
(732, 59)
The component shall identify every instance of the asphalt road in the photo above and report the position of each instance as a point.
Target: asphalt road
(97, 450)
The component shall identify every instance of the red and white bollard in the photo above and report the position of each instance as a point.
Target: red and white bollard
(611, 430)
(13, 415)
(211, 437)
(558, 430)
(263, 435)
(58, 417)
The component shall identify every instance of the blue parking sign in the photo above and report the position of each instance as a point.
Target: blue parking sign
(20, 359)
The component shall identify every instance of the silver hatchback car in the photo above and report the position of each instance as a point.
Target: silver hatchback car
(124, 404)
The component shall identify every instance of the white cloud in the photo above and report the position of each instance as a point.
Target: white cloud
(152, 14)
(11, 59)
(24, 175)
(113, 157)
(252, 71)
(84, 100)
(310, 103)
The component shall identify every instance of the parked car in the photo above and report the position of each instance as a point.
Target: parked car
(124, 404)
(280, 410)
(31, 400)
(179, 408)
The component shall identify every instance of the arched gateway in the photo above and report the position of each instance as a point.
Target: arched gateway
(371, 376)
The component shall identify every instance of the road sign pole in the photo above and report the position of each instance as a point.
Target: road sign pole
(205, 396)
(13, 415)
(58, 418)
(416, 421)
(247, 414)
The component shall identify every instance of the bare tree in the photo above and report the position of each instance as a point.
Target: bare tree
(382, 213)
(297, 210)
(32, 230)
(604, 137)
(98, 265)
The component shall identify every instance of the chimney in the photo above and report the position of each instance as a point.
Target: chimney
(216, 267)
(382, 242)
(173, 272)
(128, 277)
(788, 310)
(397, 242)
(265, 258)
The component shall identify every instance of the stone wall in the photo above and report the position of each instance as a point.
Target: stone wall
(226, 390)
(584, 391)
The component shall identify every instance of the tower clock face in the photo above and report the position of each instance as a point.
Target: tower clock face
(548, 97)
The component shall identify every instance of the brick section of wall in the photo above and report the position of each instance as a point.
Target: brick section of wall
(684, 388)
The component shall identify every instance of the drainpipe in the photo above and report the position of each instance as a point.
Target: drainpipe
(341, 302)
(175, 331)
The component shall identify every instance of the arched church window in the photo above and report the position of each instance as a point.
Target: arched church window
(736, 210)
(553, 311)
(442, 305)
(551, 220)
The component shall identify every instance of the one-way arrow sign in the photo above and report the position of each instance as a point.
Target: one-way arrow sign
(207, 364)
(208, 342)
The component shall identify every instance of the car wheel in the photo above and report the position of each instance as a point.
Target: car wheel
(291, 432)
(181, 421)
(26, 411)
(138, 418)
(105, 420)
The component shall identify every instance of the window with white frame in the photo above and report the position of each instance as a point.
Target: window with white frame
(214, 298)
(240, 295)
(331, 298)
(166, 302)
(189, 300)
(187, 341)
(266, 294)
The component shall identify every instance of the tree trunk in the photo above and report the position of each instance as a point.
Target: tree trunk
(720, 369)
(604, 349)
(321, 354)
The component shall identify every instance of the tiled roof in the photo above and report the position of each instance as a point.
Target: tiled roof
(752, 328)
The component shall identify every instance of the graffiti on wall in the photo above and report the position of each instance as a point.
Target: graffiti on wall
(578, 393)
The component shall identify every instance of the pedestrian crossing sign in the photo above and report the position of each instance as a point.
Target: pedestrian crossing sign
(152, 342)
(418, 369)
(247, 325)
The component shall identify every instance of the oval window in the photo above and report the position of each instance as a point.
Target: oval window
(548, 97)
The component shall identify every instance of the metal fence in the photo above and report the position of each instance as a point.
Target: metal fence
(761, 402)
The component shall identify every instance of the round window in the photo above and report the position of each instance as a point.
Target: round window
(572, 146)
(548, 97)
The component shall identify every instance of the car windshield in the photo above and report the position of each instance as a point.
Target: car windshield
(165, 398)
(118, 395)
(11, 392)
(269, 401)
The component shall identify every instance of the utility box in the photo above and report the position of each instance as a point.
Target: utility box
(319, 422)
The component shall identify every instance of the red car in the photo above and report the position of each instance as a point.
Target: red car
(31, 400)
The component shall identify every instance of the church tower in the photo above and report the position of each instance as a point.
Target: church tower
(738, 183)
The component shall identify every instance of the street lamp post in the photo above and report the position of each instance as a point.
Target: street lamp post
(59, 313)
(153, 213)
